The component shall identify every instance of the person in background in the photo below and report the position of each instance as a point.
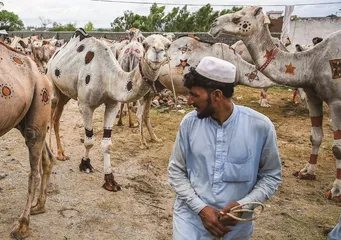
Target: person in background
(224, 155)
(316, 40)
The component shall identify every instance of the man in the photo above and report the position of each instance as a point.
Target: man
(316, 40)
(224, 155)
(335, 234)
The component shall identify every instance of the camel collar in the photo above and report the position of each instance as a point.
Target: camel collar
(270, 55)
(148, 81)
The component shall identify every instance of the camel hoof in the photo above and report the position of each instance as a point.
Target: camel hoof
(119, 124)
(329, 196)
(20, 232)
(144, 146)
(133, 125)
(110, 183)
(157, 140)
(304, 176)
(85, 166)
(62, 157)
(37, 210)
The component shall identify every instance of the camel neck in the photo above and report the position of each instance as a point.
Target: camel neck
(281, 67)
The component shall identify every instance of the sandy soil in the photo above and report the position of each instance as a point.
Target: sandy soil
(79, 208)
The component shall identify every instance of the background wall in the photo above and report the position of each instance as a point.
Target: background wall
(303, 30)
(119, 35)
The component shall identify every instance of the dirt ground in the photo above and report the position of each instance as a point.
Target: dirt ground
(79, 208)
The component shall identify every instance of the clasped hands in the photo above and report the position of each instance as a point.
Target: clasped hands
(216, 222)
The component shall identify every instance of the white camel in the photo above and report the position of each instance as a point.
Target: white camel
(241, 49)
(129, 58)
(26, 105)
(317, 70)
(186, 52)
(85, 69)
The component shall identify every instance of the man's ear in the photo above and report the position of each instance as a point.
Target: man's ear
(217, 94)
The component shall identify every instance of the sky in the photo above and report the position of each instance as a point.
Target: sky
(101, 14)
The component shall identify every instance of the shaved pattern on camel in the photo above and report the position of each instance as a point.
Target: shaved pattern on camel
(336, 68)
(25, 103)
(312, 69)
(108, 84)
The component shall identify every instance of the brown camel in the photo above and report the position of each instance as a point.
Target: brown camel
(25, 104)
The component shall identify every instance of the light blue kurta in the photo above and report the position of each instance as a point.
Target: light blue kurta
(215, 165)
(335, 234)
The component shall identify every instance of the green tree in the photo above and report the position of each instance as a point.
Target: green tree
(127, 21)
(10, 21)
(177, 20)
(233, 10)
(184, 21)
(89, 27)
(154, 21)
(58, 27)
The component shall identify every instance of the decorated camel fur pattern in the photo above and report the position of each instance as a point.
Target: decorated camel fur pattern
(86, 70)
(25, 94)
(319, 76)
(186, 52)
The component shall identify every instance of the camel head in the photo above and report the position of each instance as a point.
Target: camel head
(135, 34)
(243, 23)
(155, 47)
(170, 36)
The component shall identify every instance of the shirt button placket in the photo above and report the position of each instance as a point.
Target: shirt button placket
(219, 159)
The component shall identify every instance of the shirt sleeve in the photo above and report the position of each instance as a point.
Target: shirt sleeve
(269, 173)
(178, 177)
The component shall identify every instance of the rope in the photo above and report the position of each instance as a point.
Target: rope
(239, 208)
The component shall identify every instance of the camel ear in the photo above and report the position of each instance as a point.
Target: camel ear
(257, 11)
(266, 19)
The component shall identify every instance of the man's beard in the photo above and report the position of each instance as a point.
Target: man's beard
(206, 112)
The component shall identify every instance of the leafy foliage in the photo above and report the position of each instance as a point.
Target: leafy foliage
(58, 27)
(89, 27)
(177, 20)
(10, 21)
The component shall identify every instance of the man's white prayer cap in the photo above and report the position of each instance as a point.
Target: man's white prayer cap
(216, 69)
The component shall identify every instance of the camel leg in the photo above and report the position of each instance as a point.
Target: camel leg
(33, 127)
(139, 114)
(61, 101)
(315, 105)
(89, 139)
(130, 109)
(264, 98)
(294, 95)
(147, 103)
(111, 111)
(47, 164)
(120, 123)
(335, 109)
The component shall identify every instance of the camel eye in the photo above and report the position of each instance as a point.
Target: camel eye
(236, 20)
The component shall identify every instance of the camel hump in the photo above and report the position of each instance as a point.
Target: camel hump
(10, 48)
(81, 33)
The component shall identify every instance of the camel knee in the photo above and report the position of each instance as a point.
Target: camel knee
(337, 148)
(54, 102)
(31, 137)
(316, 136)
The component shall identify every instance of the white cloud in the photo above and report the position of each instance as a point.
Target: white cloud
(102, 13)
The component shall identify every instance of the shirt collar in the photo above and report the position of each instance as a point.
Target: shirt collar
(230, 119)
